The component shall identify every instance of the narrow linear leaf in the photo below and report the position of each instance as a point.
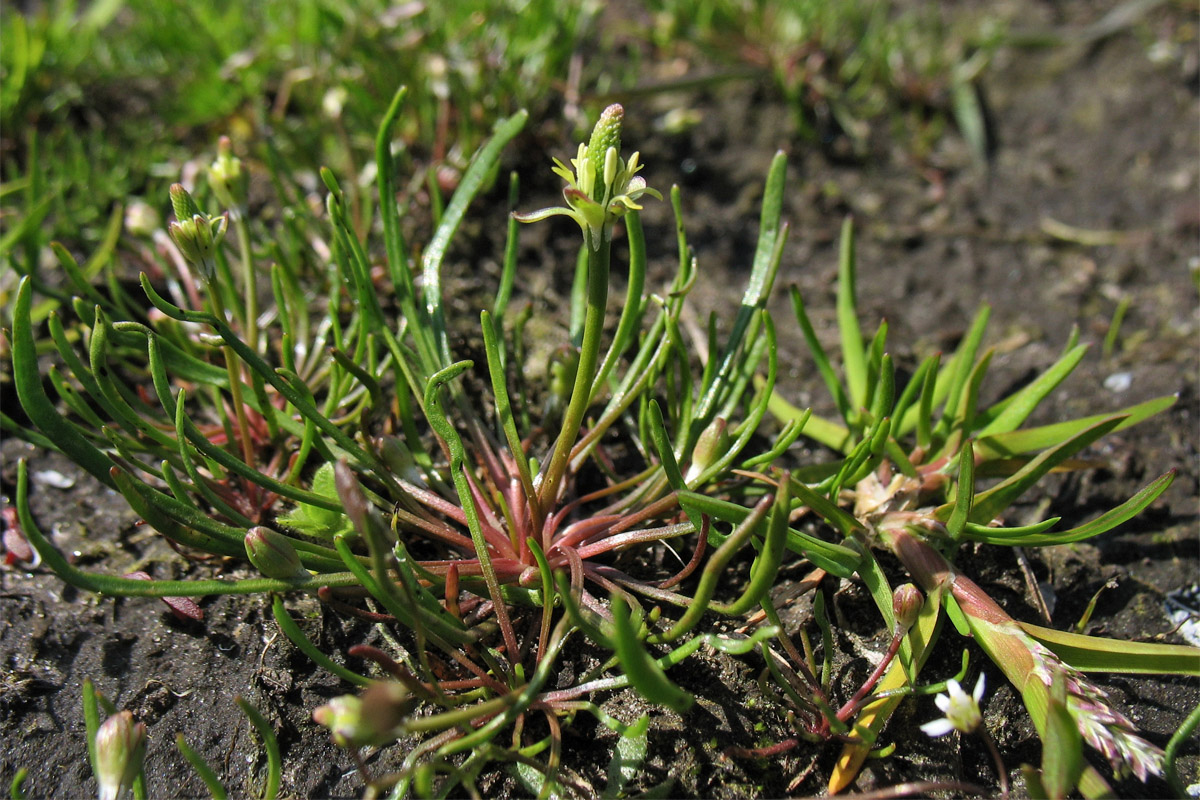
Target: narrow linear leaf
(964, 492)
(267, 734)
(990, 504)
(470, 185)
(1098, 654)
(644, 673)
(33, 396)
(1022, 404)
(1032, 439)
(854, 356)
(820, 357)
(1101, 524)
(821, 430)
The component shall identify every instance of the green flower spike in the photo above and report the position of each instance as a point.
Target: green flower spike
(196, 234)
(601, 186)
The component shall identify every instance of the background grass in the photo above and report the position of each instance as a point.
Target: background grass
(112, 99)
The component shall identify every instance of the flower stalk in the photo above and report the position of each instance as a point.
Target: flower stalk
(230, 184)
(198, 237)
(601, 188)
(585, 373)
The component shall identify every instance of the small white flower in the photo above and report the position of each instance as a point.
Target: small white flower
(961, 710)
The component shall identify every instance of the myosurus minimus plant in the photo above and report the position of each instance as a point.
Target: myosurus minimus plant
(302, 409)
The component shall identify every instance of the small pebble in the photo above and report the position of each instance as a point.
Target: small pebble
(53, 478)
(1118, 382)
(1183, 609)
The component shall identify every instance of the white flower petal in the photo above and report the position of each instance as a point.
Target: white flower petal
(939, 727)
(943, 703)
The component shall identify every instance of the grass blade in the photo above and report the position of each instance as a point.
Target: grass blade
(989, 505)
(482, 164)
(1098, 654)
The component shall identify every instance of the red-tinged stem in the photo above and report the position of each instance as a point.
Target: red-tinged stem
(508, 570)
(694, 562)
(655, 509)
(584, 529)
(451, 592)
(846, 711)
(613, 542)
(1001, 769)
(763, 752)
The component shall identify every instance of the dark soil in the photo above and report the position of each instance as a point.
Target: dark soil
(1096, 135)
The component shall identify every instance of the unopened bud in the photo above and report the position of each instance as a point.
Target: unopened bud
(344, 718)
(610, 167)
(227, 179)
(606, 135)
(907, 601)
(197, 235)
(708, 448)
(385, 706)
(120, 748)
(273, 554)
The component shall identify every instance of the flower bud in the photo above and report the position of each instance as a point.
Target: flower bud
(120, 748)
(606, 135)
(344, 718)
(228, 180)
(708, 448)
(385, 706)
(273, 554)
(197, 235)
(907, 601)
(610, 167)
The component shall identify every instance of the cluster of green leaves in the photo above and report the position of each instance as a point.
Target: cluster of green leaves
(910, 478)
(315, 437)
(328, 434)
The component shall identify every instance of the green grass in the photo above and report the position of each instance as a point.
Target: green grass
(111, 101)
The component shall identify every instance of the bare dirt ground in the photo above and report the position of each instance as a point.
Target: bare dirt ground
(1096, 135)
